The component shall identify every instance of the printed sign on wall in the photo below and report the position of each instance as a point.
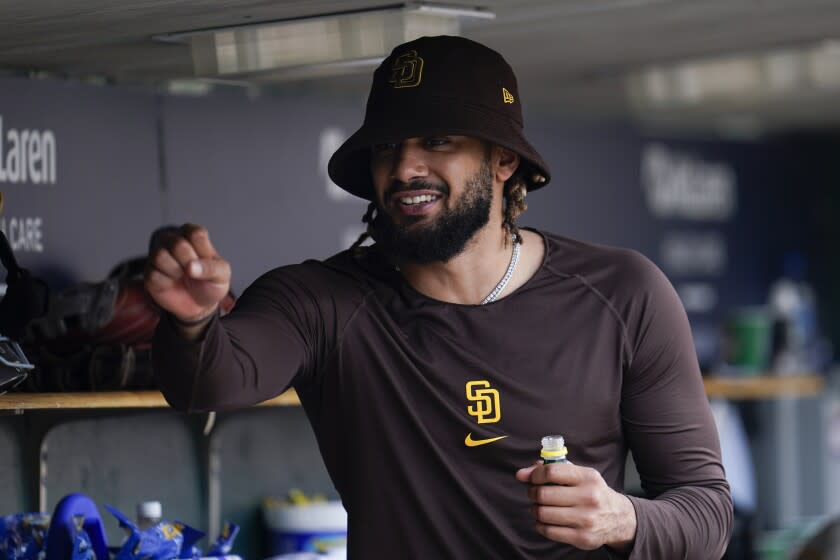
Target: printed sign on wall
(692, 197)
(27, 156)
(79, 174)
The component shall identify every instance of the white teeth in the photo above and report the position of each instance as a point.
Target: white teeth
(418, 199)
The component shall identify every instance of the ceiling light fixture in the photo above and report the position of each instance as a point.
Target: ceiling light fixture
(325, 45)
(738, 79)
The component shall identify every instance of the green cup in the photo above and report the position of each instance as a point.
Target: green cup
(747, 337)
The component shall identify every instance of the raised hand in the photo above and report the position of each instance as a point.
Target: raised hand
(185, 275)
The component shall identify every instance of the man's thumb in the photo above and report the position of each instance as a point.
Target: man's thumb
(205, 269)
(524, 475)
(196, 269)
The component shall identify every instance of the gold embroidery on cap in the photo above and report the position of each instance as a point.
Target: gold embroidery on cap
(507, 96)
(407, 70)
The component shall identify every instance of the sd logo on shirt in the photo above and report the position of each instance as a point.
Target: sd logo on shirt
(487, 410)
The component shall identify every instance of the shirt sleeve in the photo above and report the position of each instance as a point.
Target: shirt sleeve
(276, 335)
(687, 512)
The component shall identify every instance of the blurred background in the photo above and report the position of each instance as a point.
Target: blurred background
(703, 133)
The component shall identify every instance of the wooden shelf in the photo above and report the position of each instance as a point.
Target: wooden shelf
(764, 386)
(736, 388)
(110, 399)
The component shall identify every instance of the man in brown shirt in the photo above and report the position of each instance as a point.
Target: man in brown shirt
(431, 363)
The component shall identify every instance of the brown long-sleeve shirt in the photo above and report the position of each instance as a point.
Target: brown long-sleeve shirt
(400, 387)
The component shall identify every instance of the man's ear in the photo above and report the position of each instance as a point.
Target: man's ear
(505, 163)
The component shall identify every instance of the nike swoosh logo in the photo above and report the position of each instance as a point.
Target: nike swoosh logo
(470, 442)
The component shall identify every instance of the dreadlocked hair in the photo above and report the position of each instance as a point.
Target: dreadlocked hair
(514, 194)
(368, 234)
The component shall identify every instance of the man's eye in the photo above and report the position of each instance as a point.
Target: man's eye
(386, 147)
(434, 142)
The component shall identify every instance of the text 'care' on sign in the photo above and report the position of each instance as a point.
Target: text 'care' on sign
(24, 234)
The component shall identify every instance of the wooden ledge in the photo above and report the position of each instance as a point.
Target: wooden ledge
(736, 388)
(765, 386)
(108, 399)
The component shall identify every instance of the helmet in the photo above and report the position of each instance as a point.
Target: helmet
(24, 298)
(14, 367)
(98, 336)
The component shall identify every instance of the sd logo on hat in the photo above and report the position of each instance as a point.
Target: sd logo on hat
(407, 70)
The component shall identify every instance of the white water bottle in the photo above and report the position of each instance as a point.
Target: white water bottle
(149, 514)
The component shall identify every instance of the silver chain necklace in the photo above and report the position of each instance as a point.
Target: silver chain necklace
(514, 258)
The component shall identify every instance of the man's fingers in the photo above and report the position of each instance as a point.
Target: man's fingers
(524, 475)
(164, 262)
(561, 473)
(156, 281)
(199, 238)
(561, 516)
(183, 251)
(187, 229)
(567, 535)
(211, 270)
(559, 534)
(555, 495)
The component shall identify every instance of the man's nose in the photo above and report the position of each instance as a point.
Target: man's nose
(409, 163)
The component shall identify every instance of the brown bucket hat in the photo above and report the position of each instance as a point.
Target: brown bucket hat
(435, 86)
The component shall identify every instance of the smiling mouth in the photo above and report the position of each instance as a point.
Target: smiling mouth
(409, 201)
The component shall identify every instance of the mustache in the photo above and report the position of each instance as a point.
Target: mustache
(398, 187)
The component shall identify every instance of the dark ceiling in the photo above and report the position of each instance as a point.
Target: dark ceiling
(572, 56)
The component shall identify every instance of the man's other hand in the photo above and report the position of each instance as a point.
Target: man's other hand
(574, 505)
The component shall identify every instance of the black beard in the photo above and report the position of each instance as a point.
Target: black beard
(449, 233)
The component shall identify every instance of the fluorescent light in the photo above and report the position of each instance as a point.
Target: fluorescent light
(309, 71)
(318, 46)
(450, 11)
(824, 65)
(738, 79)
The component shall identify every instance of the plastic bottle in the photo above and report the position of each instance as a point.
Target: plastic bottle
(149, 514)
(553, 450)
(793, 304)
